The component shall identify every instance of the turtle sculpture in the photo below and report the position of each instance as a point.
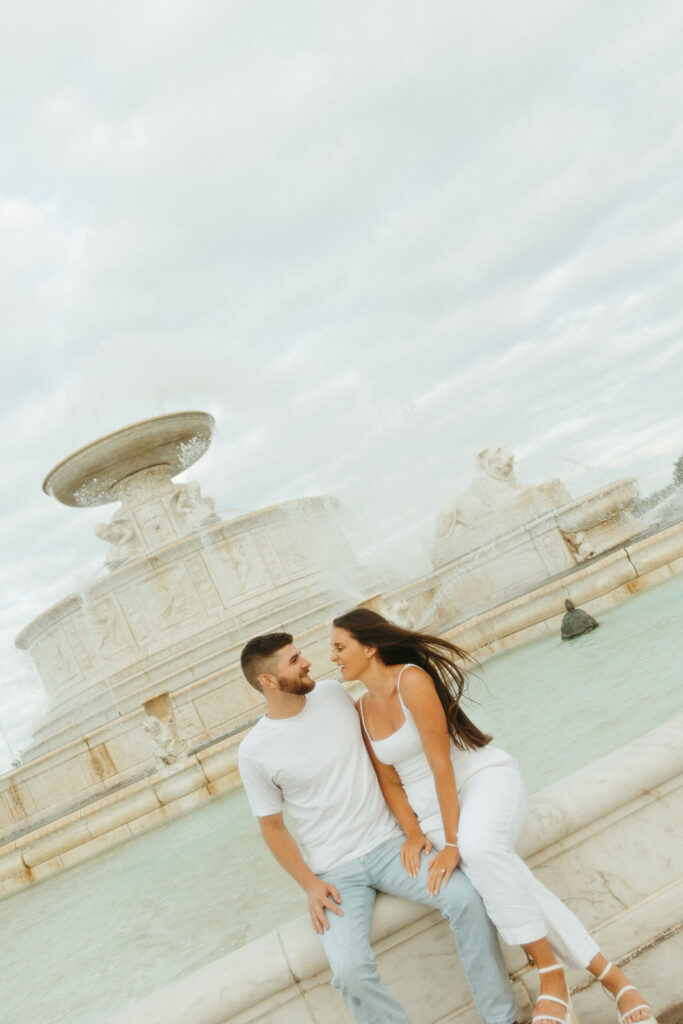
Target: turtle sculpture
(576, 621)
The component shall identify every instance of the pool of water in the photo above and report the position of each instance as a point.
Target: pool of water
(97, 936)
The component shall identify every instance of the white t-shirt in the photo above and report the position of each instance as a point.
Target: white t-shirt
(316, 766)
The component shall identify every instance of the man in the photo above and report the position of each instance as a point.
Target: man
(307, 755)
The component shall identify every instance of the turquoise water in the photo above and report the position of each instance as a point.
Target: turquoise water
(97, 936)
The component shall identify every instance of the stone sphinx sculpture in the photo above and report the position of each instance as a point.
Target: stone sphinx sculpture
(493, 485)
(493, 504)
(499, 537)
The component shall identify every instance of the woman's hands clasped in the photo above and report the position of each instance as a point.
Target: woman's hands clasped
(411, 851)
(441, 868)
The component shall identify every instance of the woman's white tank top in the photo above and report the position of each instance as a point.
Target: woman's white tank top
(403, 749)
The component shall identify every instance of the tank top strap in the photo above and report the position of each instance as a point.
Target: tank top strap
(362, 718)
(398, 685)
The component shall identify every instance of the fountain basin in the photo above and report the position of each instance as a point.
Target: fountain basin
(90, 475)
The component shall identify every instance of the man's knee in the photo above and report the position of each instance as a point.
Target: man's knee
(459, 897)
(351, 970)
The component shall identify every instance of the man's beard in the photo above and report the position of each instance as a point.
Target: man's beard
(301, 685)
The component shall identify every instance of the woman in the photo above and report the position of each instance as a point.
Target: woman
(453, 792)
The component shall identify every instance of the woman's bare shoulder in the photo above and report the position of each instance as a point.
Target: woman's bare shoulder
(416, 684)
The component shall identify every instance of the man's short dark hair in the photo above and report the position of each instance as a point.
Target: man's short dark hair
(257, 656)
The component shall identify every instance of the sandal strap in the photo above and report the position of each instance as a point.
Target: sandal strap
(554, 999)
(553, 967)
(606, 971)
(626, 988)
(643, 1006)
(547, 1016)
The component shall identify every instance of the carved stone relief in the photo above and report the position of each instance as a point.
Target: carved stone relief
(122, 534)
(155, 525)
(54, 658)
(109, 628)
(237, 567)
(169, 598)
(289, 545)
(190, 510)
(166, 745)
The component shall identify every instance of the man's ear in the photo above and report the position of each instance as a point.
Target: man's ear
(267, 681)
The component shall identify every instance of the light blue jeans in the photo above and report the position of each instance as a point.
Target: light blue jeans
(347, 946)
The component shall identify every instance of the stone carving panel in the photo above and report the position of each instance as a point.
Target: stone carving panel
(80, 641)
(269, 555)
(55, 659)
(128, 598)
(552, 549)
(109, 629)
(155, 524)
(203, 584)
(289, 545)
(169, 598)
(237, 568)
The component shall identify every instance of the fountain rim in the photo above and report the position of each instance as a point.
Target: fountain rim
(78, 468)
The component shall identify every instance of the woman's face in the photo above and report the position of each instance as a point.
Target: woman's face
(351, 657)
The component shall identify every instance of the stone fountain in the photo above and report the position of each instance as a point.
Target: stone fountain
(182, 590)
(147, 700)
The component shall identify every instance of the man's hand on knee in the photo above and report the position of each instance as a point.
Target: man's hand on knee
(322, 896)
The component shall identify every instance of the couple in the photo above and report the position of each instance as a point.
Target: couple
(407, 744)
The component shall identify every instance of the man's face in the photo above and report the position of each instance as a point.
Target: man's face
(291, 669)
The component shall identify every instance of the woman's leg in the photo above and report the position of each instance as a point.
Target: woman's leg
(553, 995)
(632, 1006)
(492, 813)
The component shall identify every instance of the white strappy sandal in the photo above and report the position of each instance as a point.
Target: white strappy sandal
(621, 1017)
(569, 1015)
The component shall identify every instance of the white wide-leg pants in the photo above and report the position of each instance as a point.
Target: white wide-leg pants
(493, 807)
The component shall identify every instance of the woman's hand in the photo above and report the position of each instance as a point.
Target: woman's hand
(410, 853)
(441, 868)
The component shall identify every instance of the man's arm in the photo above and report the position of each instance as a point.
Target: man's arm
(322, 895)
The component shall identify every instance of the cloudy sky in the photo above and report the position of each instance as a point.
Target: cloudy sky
(369, 237)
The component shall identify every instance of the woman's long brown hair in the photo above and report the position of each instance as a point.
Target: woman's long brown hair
(439, 658)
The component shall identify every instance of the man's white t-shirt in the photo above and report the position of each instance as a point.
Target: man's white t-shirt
(316, 766)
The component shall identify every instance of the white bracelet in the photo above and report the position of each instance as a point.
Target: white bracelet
(454, 845)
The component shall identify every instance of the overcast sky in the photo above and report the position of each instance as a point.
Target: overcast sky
(369, 237)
